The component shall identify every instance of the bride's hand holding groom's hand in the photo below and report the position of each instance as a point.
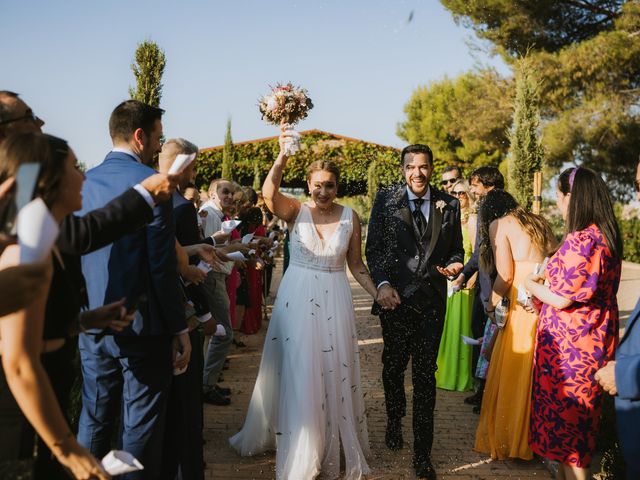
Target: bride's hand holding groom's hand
(387, 297)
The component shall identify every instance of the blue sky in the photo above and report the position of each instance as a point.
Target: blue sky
(359, 59)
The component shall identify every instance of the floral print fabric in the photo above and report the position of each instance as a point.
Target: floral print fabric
(571, 345)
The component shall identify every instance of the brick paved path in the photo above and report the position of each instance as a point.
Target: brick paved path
(455, 424)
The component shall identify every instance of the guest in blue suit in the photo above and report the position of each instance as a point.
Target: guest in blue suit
(622, 378)
(133, 368)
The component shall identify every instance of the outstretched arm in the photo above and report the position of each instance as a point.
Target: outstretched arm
(282, 206)
(21, 334)
(354, 259)
(121, 216)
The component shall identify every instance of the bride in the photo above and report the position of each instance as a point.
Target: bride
(307, 401)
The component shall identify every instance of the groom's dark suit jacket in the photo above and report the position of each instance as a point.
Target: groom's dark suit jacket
(398, 254)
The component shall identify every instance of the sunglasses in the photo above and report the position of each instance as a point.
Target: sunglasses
(459, 194)
(449, 181)
(27, 116)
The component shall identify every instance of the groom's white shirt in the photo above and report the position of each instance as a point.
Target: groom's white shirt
(412, 206)
(425, 205)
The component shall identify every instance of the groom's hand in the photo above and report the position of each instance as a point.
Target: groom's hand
(450, 270)
(387, 297)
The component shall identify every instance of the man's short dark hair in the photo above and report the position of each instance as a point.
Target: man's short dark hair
(489, 177)
(417, 148)
(130, 115)
(452, 168)
(5, 111)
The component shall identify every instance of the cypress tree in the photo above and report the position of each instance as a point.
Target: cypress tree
(526, 153)
(228, 154)
(373, 182)
(147, 69)
(257, 182)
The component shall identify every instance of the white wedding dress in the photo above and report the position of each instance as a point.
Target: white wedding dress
(307, 401)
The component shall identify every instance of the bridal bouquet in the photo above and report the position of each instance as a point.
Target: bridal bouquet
(286, 104)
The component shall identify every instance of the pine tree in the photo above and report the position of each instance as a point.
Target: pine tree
(148, 68)
(526, 154)
(228, 154)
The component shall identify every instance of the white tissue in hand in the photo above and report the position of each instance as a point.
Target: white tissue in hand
(229, 226)
(37, 231)
(205, 267)
(247, 238)
(541, 267)
(118, 462)
(220, 331)
(470, 341)
(236, 256)
(181, 162)
(523, 296)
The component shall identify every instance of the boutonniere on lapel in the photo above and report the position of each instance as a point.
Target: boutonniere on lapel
(440, 204)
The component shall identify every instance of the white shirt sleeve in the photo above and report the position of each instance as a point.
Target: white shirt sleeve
(145, 194)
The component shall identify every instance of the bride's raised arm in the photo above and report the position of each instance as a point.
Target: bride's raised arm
(282, 206)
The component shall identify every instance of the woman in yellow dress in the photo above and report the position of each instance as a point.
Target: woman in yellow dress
(513, 242)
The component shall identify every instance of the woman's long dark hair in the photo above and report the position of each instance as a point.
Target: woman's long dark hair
(49, 151)
(590, 203)
(498, 204)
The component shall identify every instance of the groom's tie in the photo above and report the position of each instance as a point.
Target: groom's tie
(418, 216)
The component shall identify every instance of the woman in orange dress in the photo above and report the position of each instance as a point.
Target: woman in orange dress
(512, 242)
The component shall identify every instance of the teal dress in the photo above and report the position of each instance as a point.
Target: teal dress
(454, 357)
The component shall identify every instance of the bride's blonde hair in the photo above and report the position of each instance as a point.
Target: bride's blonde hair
(324, 166)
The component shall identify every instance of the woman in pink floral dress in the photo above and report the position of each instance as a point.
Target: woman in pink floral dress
(578, 326)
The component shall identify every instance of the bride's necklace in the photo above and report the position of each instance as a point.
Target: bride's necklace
(325, 213)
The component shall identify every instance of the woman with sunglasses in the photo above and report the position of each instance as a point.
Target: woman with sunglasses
(454, 357)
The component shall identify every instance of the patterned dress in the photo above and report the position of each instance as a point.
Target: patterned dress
(571, 345)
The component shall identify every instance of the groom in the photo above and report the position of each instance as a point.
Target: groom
(414, 243)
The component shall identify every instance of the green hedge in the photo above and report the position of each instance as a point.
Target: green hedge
(353, 157)
(630, 231)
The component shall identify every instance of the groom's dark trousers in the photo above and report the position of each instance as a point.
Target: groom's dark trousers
(401, 254)
(413, 330)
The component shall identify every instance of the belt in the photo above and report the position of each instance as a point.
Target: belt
(320, 268)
